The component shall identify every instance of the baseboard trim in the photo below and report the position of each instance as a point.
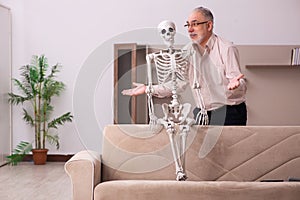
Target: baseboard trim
(51, 157)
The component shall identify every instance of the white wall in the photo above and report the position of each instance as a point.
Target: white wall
(79, 35)
(5, 72)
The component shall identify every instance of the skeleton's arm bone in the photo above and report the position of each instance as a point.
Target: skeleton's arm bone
(149, 59)
(195, 82)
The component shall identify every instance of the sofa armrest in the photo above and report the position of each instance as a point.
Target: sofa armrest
(84, 169)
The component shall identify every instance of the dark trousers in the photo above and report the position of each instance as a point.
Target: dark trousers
(235, 115)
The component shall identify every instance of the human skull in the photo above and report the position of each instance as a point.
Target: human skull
(167, 31)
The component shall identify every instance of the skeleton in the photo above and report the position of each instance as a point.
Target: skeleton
(171, 65)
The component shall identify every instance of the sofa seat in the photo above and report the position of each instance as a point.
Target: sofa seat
(191, 190)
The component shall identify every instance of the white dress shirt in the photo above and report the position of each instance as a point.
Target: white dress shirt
(216, 65)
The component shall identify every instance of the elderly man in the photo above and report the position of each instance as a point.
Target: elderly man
(215, 76)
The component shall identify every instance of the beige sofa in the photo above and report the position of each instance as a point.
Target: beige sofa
(221, 163)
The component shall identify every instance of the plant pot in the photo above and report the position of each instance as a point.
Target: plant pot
(39, 156)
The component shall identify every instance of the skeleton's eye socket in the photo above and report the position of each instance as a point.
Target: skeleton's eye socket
(171, 30)
(163, 31)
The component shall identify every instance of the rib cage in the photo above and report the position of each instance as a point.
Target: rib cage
(163, 64)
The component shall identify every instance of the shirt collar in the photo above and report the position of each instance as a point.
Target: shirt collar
(211, 41)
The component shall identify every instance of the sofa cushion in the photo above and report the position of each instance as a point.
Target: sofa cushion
(209, 190)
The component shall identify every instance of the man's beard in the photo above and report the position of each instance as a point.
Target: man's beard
(199, 39)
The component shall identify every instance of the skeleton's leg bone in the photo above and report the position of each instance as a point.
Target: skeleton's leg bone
(176, 156)
(169, 126)
(184, 131)
(183, 137)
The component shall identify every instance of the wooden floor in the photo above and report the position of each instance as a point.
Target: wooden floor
(35, 182)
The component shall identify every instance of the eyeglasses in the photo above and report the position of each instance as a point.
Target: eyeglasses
(194, 24)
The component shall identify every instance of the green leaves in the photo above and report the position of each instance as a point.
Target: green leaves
(16, 99)
(27, 117)
(52, 88)
(53, 139)
(19, 153)
(37, 86)
(67, 117)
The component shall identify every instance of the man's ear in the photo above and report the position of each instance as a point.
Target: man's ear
(210, 25)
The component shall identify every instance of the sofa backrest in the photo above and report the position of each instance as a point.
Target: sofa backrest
(241, 153)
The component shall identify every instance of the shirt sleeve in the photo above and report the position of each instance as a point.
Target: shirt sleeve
(232, 66)
(232, 63)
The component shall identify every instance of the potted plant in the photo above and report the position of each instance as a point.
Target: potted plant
(37, 87)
